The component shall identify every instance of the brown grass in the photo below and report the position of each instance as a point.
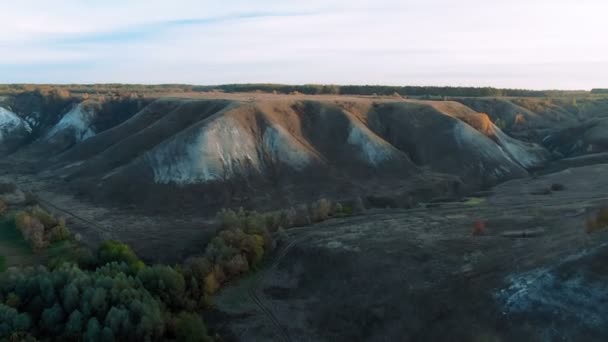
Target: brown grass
(598, 221)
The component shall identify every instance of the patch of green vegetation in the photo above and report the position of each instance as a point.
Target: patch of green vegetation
(2, 263)
(78, 294)
(108, 301)
(9, 234)
(473, 201)
(69, 251)
(114, 251)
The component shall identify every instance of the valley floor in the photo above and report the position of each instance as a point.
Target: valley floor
(163, 238)
(517, 263)
(531, 274)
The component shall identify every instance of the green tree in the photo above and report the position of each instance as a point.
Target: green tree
(99, 301)
(71, 297)
(114, 251)
(190, 328)
(107, 335)
(164, 282)
(93, 331)
(52, 319)
(73, 326)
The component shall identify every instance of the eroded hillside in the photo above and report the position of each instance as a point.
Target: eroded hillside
(452, 262)
(236, 149)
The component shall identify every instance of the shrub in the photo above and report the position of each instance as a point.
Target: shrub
(321, 210)
(338, 208)
(273, 221)
(198, 267)
(479, 228)
(228, 218)
(253, 223)
(214, 279)
(165, 283)
(114, 251)
(47, 219)
(236, 266)
(31, 229)
(59, 233)
(287, 217)
(302, 217)
(598, 221)
(190, 328)
(40, 227)
(347, 210)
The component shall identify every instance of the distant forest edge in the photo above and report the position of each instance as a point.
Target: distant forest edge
(380, 90)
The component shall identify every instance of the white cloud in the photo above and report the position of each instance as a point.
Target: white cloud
(531, 43)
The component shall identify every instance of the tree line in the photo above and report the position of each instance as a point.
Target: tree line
(311, 89)
(110, 294)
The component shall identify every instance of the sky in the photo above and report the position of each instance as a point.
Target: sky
(535, 44)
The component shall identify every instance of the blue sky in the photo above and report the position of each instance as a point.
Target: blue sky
(544, 44)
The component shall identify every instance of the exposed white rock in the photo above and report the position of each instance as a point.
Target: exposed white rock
(488, 152)
(372, 148)
(525, 154)
(281, 146)
(77, 122)
(10, 123)
(218, 150)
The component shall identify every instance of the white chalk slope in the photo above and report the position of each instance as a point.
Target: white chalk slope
(77, 123)
(221, 149)
(528, 155)
(12, 125)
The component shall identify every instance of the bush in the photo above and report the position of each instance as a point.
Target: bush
(214, 279)
(47, 219)
(598, 221)
(302, 217)
(228, 218)
(287, 218)
(190, 328)
(115, 251)
(31, 229)
(59, 233)
(236, 266)
(40, 227)
(338, 208)
(321, 210)
(165, 283)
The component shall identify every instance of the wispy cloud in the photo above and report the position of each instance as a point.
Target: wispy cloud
(382, 41)
(150, 30)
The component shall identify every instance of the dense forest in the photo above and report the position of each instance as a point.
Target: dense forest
(75, 293)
